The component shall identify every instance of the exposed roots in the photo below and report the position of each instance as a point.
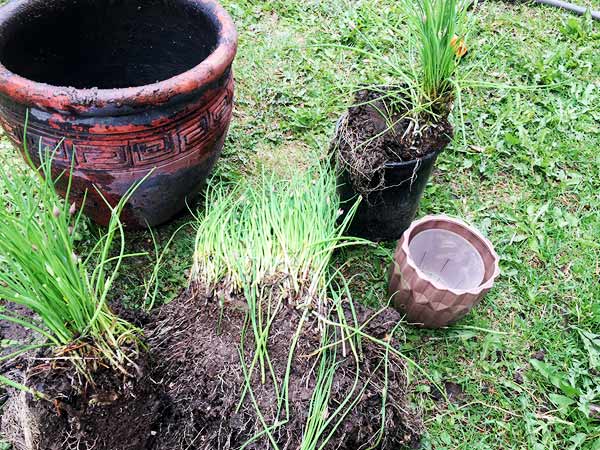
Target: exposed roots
(205, 353)
(18, 426)
(202, 388)
(380, 129)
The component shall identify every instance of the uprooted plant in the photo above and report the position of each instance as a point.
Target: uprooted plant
(272, 243)
(66, 293)
(89, 367)
(270, 341)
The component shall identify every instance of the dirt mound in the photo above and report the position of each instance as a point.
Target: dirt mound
(186, 391)
(118, 412)
(196, 344)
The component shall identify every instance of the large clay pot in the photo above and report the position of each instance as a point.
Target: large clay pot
(120, 88)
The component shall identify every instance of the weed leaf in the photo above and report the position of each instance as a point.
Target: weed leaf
(558, 379)
(591, 343)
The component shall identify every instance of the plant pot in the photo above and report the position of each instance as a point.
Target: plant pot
(385, 214)
(442, 268)
(120, 88)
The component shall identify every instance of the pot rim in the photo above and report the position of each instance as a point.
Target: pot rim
(404, 246)
(62, 98)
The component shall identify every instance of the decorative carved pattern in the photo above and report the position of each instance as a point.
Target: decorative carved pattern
(154, 151)
(63, 150)
(12, 129)
(102, 156)
(157, 146)
(194, 133)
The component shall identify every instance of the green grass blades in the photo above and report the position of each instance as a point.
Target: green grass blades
(41, 271)
(271, 242)
(251, 235)
(318, 412)
(436, 28)
(418, 76)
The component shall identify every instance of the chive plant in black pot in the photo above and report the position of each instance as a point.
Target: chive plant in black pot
(386, 144)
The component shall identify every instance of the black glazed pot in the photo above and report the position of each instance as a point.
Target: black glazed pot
(385, 214)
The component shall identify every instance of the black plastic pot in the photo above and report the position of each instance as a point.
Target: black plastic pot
(385, 214)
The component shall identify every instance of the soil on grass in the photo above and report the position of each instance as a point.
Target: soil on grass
(13, 337)
(377, 131)
(11, 332)
(116, 412)
(186, 390)
(196, 344)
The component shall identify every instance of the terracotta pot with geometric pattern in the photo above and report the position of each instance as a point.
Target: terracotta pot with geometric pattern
(442, 268)
(120, 88)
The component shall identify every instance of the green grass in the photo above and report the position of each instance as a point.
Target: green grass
(526, 172)
(437, 29)
(250, 234)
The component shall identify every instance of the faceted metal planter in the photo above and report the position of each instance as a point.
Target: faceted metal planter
(442, 268)
(119, 89)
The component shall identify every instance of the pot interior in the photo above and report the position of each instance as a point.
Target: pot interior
(106, 43)
(451, 255)
(447, 258)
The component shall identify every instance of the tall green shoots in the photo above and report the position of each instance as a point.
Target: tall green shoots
(41, 271)
(272, 244)
(436, 31)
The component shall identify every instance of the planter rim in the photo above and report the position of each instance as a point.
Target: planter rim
(62, 98)
(405, 240)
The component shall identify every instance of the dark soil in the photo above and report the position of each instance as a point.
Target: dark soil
(199, 361)
(374, 132)
(118, 412)
(12, 332)
(186, 391)
(454, 393)
(12, 336)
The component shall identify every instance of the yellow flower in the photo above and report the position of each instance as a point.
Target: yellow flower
(458, 45)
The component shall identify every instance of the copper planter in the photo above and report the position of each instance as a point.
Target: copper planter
(442, 268)
(120, 88)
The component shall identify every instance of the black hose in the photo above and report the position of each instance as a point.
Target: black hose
(569, 7)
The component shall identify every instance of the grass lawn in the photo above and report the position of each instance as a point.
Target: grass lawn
(524, 168)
